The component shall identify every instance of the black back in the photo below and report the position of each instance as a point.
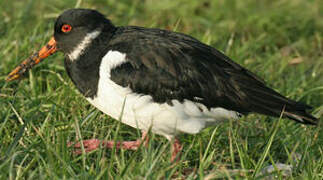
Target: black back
(169, 65)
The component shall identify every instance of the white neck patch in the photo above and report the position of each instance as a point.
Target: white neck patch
(79, 49)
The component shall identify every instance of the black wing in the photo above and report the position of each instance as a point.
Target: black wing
(169, 65)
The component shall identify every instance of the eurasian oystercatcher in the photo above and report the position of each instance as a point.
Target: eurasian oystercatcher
(157, 79)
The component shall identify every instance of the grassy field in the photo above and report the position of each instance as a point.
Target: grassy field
(281, 41)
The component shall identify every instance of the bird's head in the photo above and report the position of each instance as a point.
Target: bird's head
(74, 30)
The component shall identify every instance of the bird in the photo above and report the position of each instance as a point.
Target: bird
(156, 80)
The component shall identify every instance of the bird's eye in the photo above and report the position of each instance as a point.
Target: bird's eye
(66, 28)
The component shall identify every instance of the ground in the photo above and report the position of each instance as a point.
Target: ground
(281, 41)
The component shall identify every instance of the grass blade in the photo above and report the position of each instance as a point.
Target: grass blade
(267, 148)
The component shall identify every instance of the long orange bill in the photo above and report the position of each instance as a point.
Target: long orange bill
(34, 59)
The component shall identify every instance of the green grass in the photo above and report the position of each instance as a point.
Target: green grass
(42, 112)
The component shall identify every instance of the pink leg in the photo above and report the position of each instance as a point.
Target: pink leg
(93, 144)
(176, 150)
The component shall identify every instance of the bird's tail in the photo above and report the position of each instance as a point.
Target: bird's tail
(267, 101)
(301, 116)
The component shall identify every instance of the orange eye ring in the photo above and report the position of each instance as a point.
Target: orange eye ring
(66, 28)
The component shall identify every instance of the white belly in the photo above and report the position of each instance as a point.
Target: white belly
(139, 111)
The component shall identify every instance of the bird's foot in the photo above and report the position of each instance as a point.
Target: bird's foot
(93, 144)
(176, 150)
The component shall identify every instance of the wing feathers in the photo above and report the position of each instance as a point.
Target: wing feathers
(170, 65)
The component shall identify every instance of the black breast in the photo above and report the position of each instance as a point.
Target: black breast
(84, 71)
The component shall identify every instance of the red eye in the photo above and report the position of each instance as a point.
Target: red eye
(66, 28)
